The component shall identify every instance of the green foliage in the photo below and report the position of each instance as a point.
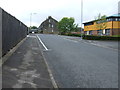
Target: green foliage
(116, 36)
(101, 22)
(75, 35)
(90, 37)
(99, 17)
(33, 27)
(66, 25)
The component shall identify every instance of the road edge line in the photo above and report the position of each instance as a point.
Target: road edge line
(48, 68)
(42, 43)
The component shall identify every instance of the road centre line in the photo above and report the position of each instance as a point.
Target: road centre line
(42, 43)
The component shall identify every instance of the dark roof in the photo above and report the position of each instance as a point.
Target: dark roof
(90, 21)
(49, 17)
(114, 15)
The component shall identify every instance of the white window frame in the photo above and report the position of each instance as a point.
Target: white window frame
(49, 20)
(87, 32)
(49, 25)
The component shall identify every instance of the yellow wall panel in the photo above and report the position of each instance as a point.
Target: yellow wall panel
(109, 25)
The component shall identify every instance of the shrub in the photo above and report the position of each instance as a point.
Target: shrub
(90, 37)
(71, 34)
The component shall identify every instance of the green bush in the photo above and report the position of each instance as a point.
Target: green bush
(116, 36)
(76, 35)
(90, 37)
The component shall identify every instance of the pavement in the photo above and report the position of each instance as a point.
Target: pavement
(26, 67)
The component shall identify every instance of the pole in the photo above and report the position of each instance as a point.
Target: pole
(30, 22)
(30, 19)
(81, 18)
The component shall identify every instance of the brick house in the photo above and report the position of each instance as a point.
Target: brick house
(49, 26)
(112, 26)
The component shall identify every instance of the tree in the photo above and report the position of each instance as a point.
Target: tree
(66, 25)
(33, 27)
(101, 22)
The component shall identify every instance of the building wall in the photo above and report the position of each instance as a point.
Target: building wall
(88, 28)
(49, 26)
(115, 31)
(110, 25)
(95, 32)
(114, 27)
(116, 24)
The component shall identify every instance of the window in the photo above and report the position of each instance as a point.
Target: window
(118, 19)
(52, 30)
(52, 26)
(100, 32)
(113, 19)
(49, 25)
(90, 32)
(107, 31)
(109, 19)
(86, 24)
(104, 31)
(49, 20)
(87, 32)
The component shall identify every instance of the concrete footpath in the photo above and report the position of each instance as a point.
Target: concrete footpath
(26, 67)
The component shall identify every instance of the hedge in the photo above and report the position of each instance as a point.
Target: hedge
(90, 37)
(76, 35)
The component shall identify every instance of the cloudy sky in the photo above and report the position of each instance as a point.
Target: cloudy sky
(58, 9)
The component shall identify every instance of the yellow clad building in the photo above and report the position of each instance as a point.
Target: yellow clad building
(110, 27)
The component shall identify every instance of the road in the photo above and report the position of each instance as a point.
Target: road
(77, 64)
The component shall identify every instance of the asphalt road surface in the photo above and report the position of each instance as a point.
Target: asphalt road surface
(77, 64)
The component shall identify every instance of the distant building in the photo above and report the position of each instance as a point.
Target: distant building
(33, 31)
(112, 26)
(49, 26)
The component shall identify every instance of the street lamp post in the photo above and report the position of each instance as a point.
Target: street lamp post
(81, 18)
(31, 18)
(30, 23)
